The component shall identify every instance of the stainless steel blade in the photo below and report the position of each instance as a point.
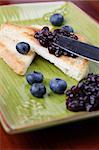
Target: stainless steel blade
(78, 48)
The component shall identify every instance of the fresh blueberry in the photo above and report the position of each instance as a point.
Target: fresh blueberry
(23, 47)
(58, 85)
(38, 90)
(34, 77)
(57, 19)
(69, 29)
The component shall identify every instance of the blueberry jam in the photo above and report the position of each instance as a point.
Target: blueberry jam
(84, 96)
(46, 39)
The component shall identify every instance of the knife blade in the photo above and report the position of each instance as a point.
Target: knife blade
(78, 48)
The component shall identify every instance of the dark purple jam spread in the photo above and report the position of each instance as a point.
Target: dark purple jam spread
(84, 96)
(46, 39)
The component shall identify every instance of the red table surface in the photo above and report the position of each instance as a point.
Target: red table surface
(82, 135)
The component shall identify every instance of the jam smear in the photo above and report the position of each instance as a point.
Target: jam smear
(84, 96)
(46, 39)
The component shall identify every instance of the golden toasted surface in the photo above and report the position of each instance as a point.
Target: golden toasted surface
(11, 60)
(10, 35)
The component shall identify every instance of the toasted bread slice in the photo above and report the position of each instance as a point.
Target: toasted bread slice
(76, 68)
(10, 35)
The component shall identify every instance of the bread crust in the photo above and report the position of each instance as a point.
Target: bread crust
(19, 28)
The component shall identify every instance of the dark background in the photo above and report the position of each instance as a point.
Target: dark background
(82, 135)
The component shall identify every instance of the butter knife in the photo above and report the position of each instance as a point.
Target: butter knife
(78, 48)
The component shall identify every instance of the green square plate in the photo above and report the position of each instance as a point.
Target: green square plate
(19, 111)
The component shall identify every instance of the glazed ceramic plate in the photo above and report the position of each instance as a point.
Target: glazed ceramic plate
(19, 110)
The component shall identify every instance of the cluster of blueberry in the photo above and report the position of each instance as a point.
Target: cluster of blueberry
(47, 38)
(38, 89)
(84, 96)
